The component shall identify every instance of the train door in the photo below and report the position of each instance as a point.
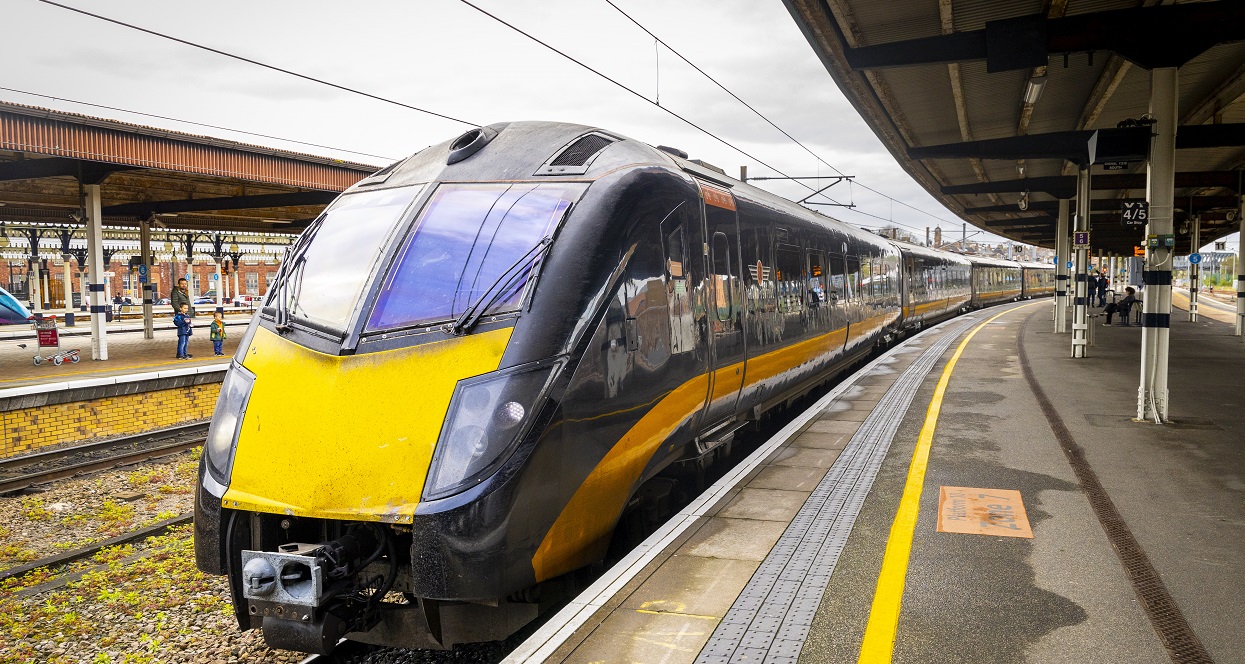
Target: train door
(724, 310)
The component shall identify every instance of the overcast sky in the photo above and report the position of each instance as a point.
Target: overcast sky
(444, 56)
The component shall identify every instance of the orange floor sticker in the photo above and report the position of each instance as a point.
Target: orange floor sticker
(982, 512)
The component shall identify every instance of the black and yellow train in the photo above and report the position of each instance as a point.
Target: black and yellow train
(474, 362)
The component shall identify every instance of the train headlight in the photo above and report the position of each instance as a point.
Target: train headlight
(487, 415)
(226, 421)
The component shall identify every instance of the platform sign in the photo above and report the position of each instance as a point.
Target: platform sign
(142, 274)
(996, 512)
(1080, 239)
(1069, 265)
(1135, 213)
(215, 277)
(1195, 258)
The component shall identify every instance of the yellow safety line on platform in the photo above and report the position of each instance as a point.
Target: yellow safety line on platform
(879, 641)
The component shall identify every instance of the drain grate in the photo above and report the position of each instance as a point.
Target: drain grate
(1165, 616)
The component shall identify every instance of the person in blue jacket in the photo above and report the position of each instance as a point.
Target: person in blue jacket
(182, 321)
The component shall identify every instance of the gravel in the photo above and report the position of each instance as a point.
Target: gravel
(75, 513)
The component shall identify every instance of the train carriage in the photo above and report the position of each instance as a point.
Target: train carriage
(995, 281)
(937, 284)
(12, 311)
(1039, 279)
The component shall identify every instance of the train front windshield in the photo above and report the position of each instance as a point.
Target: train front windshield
(473, 243)
(323, 281)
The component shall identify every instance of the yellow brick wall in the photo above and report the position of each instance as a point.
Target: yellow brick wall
(28, 429)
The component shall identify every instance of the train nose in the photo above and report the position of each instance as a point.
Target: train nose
(351, 437)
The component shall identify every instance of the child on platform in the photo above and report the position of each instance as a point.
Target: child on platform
(182, 321)
(217, 333)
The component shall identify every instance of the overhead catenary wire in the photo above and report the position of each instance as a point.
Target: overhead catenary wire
(197, 124)
(759, 114)
(633, 91)
(258, 63)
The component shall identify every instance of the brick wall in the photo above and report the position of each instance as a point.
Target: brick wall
(27, 429)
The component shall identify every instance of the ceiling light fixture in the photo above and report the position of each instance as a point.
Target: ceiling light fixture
(1034, 88)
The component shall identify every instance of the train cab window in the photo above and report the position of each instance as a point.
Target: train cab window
(721, 257)
(789, 265)
(817, 292)
(324, 282)
(472, 241)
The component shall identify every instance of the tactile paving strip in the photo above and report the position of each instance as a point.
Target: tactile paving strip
(769, 621)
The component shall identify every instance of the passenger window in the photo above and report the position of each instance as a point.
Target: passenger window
(816, 279)
(721, 254)
(853, 277)
(682, 321)
(790, 290)
(838, 280)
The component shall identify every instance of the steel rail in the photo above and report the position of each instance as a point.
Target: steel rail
(28, 480)
(87, 551)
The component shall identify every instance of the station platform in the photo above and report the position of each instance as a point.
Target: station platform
(141, 387)
(974, 495)
(128, 351)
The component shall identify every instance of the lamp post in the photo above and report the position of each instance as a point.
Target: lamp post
(217, 256)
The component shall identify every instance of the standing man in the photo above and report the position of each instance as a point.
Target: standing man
(1103, 283)
(179, 297)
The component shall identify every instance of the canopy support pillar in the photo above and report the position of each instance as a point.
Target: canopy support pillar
(1152, 394)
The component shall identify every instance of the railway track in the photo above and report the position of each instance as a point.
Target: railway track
(25, 472)
(81, 553)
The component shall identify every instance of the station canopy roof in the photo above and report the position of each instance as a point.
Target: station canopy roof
(982, 101)
(187, 181)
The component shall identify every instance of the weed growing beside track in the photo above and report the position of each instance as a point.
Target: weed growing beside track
(136, 603)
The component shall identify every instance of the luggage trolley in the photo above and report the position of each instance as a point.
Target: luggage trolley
(50, 337)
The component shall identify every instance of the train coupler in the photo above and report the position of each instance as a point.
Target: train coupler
(309, 596)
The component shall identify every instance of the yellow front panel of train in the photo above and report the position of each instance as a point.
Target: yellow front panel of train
(348, 437)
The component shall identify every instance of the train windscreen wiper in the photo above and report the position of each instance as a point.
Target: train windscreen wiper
(472, 314)
(293, 261)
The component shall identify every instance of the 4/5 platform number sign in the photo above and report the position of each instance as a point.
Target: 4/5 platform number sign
(1135, 213)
